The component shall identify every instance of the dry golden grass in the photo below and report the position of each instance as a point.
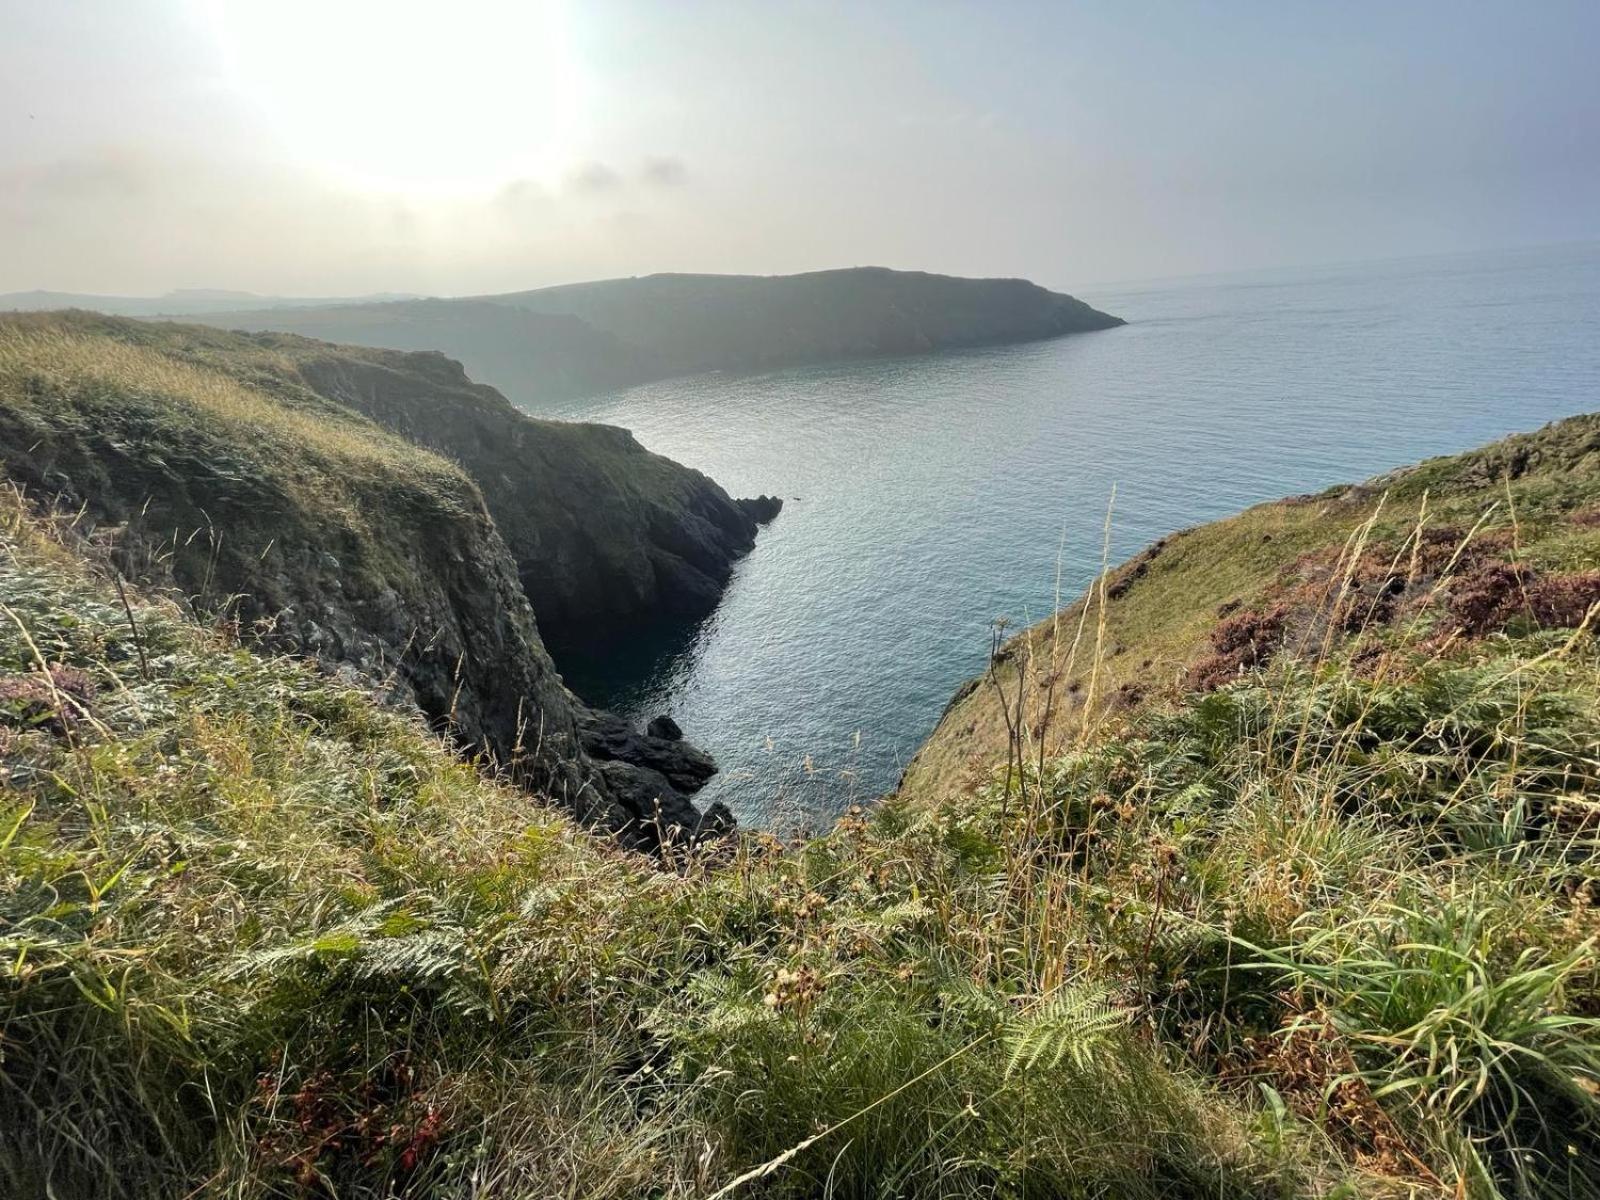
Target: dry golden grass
(48, 363)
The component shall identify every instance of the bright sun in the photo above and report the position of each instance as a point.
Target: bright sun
(413, 96)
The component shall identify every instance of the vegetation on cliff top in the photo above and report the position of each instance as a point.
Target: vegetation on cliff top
(603, 531)
(1509, 520)
(1320, 924)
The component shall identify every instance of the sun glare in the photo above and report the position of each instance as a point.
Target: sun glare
(410, 96)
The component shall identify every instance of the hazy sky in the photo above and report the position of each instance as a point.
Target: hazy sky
(342, 146)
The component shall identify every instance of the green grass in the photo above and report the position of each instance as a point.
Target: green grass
(220, 481)
(1326, 930)
(601, 529)
(263, 938)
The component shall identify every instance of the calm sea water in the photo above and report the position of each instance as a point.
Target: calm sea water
(926, 497)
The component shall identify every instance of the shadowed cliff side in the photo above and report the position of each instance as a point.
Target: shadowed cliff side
(604, 532)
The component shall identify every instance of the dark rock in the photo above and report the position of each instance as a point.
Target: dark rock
(654, 811)
(608, 737)
(717, 821)
(761, 509)
(664, 727)
(604, 533)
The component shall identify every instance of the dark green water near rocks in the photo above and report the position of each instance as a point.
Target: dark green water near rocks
(926, 497)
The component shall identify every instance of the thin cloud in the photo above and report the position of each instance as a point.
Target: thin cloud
(594, 177)
(664, 172)
(520, 197)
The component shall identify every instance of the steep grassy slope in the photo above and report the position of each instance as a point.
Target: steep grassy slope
(1504, 524)
(314, 530)
(259, 937)
(1324, 928)
(592, 337)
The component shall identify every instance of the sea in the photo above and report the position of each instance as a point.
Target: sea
(926, 499)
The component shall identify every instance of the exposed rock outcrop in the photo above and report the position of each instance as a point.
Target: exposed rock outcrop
(605, 735)
(604, 532)
(664, 726)
(761, 509)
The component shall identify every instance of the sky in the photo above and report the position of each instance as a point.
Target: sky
(342, 147)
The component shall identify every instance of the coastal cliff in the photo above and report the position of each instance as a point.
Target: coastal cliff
(212, 465)
(604, 532)
(1206, 605)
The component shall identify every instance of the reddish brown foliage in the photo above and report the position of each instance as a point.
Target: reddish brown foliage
(1324, 594)
(1481, 600)
(53, 701)
(1564, 600)
(1129, 695)
(1239, 642)
(1310, 1066)
(1496, 594)
(371, 1121)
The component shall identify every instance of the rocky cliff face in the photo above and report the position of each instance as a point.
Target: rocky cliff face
(317, 532)
(604, 532)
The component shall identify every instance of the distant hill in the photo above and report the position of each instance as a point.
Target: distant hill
(584, 338)
(178, 303)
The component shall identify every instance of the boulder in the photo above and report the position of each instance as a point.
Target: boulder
(761, 509)
(610, 738)
(664, 727)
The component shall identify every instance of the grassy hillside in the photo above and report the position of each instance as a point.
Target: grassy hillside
(1506, 527)
(1319, 926)
(710, 322)
(595, 337)
(174, 303)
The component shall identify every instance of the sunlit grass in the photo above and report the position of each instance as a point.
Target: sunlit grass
(48, 362)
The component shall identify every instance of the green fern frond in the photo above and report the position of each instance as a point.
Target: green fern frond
(1075, 1022)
